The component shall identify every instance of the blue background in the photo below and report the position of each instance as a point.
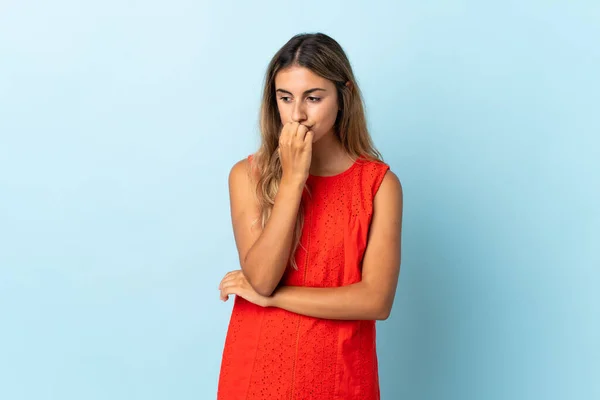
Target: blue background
(119, 124)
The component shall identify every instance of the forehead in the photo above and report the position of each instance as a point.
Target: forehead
(299, 79)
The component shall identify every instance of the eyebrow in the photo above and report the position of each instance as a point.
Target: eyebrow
(306, 92)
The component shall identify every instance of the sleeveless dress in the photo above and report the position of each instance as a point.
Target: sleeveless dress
(271, 353)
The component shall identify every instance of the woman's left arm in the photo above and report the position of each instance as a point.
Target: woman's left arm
(373, 296)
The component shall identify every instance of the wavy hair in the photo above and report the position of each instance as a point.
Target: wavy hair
(326, 58)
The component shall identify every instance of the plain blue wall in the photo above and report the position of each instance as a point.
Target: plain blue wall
(119, 124)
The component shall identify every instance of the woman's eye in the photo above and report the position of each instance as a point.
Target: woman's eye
(312, 99)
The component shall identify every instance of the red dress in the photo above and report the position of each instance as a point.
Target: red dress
(273, 354)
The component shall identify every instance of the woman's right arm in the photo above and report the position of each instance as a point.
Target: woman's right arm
(263, 253)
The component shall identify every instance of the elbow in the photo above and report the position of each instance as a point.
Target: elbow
(264, 290)
(382, 316)
(261, 286)
(380, 305)
(383, 312)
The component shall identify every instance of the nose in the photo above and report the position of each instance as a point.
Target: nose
(299, 113)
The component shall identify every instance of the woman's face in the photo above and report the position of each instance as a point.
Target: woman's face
(305, 97)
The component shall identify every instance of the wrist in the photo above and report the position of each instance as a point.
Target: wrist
(271, 301)
(293, 183)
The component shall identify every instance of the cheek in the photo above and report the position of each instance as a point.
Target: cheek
(325, 118)
(282, 113)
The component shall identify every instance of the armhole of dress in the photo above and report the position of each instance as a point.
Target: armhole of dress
(381, 171)
(250, 158)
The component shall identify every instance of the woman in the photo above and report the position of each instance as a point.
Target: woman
(317, 221)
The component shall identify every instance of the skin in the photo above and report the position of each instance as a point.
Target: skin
(373, 296)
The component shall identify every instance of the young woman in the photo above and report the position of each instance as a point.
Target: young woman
(317, 219)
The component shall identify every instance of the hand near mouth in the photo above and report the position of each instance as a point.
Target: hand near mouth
(295, 151)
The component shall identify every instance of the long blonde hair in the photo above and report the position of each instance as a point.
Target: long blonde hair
(326, 58)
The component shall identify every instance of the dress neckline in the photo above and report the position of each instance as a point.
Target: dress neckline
(343, 173)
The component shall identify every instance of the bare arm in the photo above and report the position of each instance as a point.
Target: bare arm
(354, 301)
(263, 253)
(373, 296)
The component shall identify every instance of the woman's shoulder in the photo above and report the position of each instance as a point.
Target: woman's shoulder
(375, 173)
(372, 167)
(371, 161)
(242, 169)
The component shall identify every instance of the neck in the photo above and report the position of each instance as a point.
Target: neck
(327, 154)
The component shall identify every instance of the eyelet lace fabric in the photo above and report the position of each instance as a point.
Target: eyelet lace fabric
(273, 354)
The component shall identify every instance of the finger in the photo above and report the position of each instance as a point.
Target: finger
(232, 284)
(223, 293)
(228, 283)
(288, 133)
(301, 132)
(308, 138)
(289, 129)
(226, 277)
(223, 297)
(228, 291)
(294, 128)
